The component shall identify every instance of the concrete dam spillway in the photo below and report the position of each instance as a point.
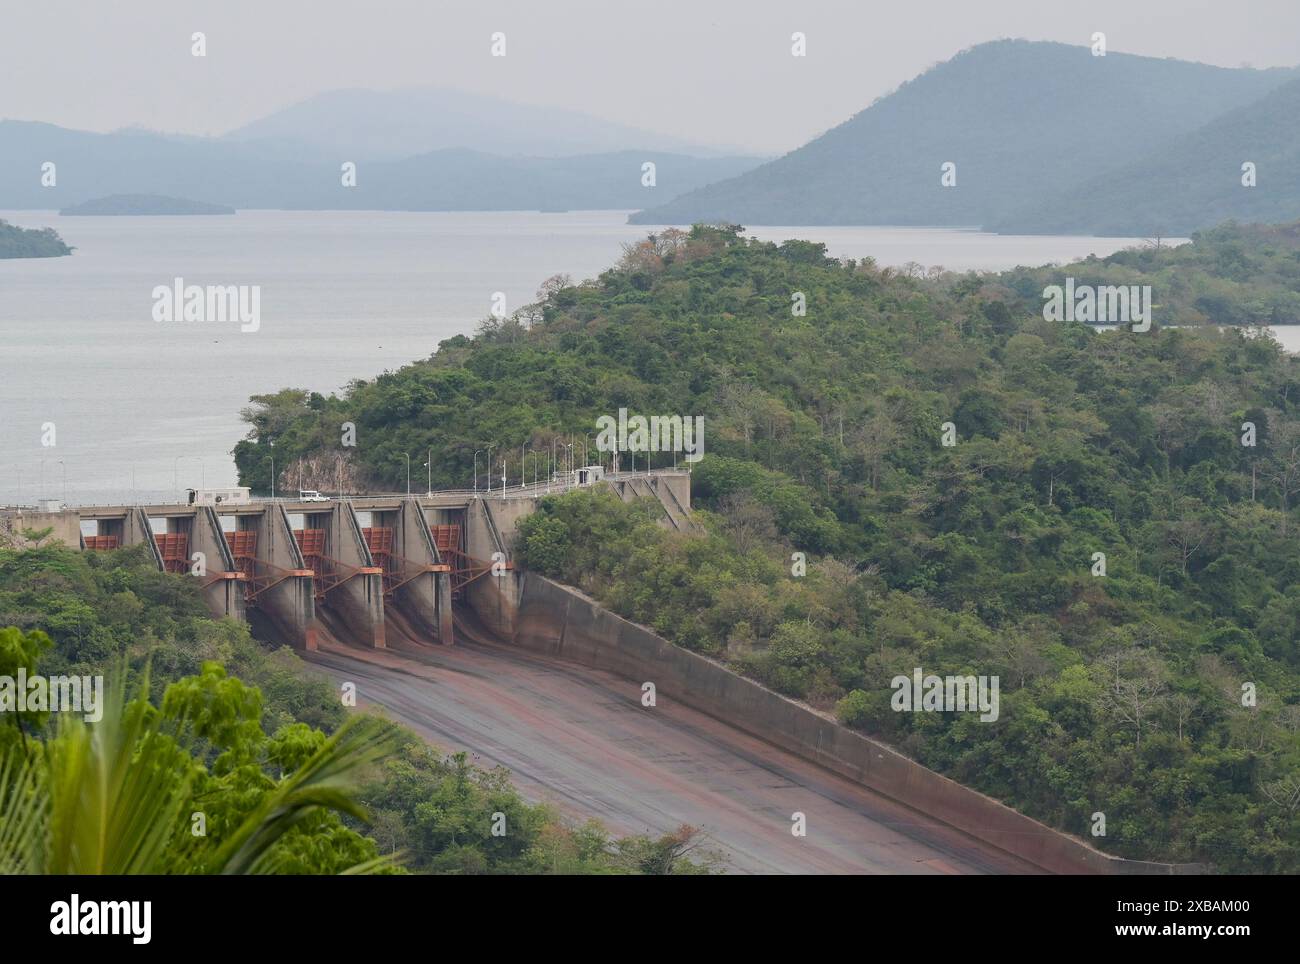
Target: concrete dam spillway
(416, 600)
(353, 569)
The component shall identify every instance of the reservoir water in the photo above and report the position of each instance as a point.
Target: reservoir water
(141, 409)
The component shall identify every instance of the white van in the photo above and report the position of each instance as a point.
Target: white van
(237, 495)
(311, 495)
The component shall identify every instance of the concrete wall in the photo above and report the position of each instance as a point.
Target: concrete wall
(66, 526)
(561, 622)
(358, 600)
(222, 590)
(137, 529)
(290, 604)
(672, 492)
(505, 514)
(494, 598)
(679, 486)
(491, 526)
(420, 597)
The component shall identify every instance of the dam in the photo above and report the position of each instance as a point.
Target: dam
(417, 602)
(356, 569)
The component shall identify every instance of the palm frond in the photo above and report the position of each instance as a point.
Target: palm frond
(322, 782)
(24, 812)
(117, 788)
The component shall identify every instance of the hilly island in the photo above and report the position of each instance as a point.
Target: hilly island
(143, 204)
(16, 242)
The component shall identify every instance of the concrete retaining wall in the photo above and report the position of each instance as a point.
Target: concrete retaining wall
(290, 603)
(562, 622)
(420, 597)
(357, 598)
(223, 593)
(66, 526)
(494, 598)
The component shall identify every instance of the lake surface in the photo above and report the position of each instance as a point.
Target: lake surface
(143, 409)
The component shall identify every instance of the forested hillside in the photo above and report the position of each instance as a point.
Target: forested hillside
(1191, 181)
(1162, 692)
(1233, 274)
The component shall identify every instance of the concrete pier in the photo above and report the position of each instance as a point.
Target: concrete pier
(281, 581)
(349, 586)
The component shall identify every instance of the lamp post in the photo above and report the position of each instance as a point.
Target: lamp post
(272, 478)
(408, 472)
(489, 468)
(476, 452)
(428, 490)
(521, 464)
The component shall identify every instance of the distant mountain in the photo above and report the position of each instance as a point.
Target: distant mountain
(357, 125)
(1188, 182)
(142, 204)
(16, 242)
(1021, 121)
(90, 165)
(250, 175)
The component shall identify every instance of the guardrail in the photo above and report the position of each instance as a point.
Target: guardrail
(531, 490)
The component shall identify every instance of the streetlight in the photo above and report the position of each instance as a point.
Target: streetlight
(408, 472)
(428, 491)
(569, 446)
(476, 452)
(489, 468)
(521, 464)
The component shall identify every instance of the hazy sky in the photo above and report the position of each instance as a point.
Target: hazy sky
(715, 71)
